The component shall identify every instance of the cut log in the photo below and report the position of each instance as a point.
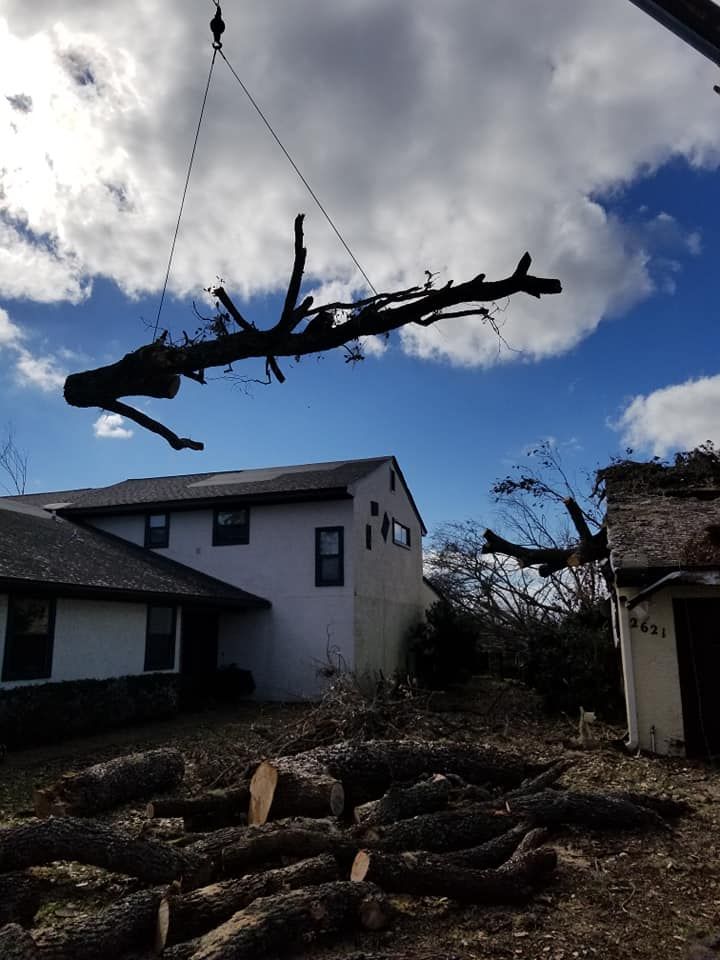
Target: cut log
(17, 944)
(129, 924)
(493, 853)
(190, 915)
(440, 832)
(279, 923)
(291, 787)
(400, 802)
(368, 769)
(552, 808)
(272, 842)
(426, 875)
(219, 808)
(66, 838)
(542, 780)
(20, 896)
(107, 785)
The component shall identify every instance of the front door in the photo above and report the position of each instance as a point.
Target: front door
(697, 631)
(199, 653)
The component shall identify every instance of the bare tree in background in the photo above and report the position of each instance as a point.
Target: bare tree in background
(13, 464)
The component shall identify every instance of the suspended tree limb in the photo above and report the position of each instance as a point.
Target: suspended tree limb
(154, 370)
(591, 547)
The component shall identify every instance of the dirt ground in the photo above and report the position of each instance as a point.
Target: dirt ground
(614, 895)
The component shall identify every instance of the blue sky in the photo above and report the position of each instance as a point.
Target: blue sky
(589, 138)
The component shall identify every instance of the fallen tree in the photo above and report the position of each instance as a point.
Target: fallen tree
(400, 802)
(155, 370)
(218, 808)
(107, 785)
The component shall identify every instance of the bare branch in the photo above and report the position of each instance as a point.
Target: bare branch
(142, 420)
(155, 369)
(13, 462)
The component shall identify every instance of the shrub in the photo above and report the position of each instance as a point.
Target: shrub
(443, 647)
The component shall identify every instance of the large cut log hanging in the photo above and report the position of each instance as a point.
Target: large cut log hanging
(219, 808)
(17, 944)
(66, 838)
(294, 787)
(427, 875)
(187, 916)
(281, 922)
(129, 924)
(107, 785)
(20, 896)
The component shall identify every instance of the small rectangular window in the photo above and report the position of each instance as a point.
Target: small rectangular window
(29, 638)
(392, 480)
(368, 536)
(160, 638)
(374, 508)
(329, 557)
(400, 534)
(231, 526)
(157, 530)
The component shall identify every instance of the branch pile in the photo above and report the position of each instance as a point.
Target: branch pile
(333, 834)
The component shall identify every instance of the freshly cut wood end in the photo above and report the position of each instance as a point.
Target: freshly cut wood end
(374, 913)
(360, 866)
(337, 799)
(262, 791)
(163, 925)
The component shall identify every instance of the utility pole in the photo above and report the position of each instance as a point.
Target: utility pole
(697, 22)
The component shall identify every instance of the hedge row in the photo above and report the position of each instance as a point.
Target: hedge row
(50, 712)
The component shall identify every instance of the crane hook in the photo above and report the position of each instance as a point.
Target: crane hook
(217, 25)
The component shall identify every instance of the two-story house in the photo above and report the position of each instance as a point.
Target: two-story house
(275, 570)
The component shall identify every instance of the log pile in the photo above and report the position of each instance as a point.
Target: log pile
(332, 835)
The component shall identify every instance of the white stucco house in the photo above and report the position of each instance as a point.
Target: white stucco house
(273, 570)
(663, 527)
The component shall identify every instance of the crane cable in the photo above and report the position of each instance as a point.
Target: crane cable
(217, 27)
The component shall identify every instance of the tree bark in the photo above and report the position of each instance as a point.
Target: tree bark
(493, 853)
(17, 944)
(401, 802)
(271, 843)
(20, 896)
(107, 785)
(426, 875)
(194, 914)
(440, 832)
(368, 769)
(129, 924)
(219, 808)
(552, 808)
(291, 787)
(279, 923)
(66, 838)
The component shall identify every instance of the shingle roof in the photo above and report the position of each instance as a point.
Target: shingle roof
(39, 549)
(300, 481)
(662, 525)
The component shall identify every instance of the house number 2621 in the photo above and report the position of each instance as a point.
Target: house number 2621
(651, 628)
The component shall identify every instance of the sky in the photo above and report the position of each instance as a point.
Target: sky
(445, 137)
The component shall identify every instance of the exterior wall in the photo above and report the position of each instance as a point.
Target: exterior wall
(283, 646)
(94, 639)
(657, 680)
(390, 596)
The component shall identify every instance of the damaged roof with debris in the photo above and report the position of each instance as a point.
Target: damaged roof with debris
(664, 517)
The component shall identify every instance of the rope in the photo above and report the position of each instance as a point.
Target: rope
(299, 173)
(184, 193)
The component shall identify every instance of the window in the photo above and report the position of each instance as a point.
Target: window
(329, 566)
(29, 638)
(231, 526)
(401, 534)
(392, 480)
(160, 638)
(157, 529)
(368, 536)
(374, 508)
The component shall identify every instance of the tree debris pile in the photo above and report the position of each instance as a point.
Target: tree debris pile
(316, 845)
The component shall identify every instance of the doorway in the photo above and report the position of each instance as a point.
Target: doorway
(697, 632)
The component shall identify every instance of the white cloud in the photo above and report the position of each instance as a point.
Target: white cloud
(10, 333)
(679, 417)
(109, 426)
(447, 138)
(40, 372)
